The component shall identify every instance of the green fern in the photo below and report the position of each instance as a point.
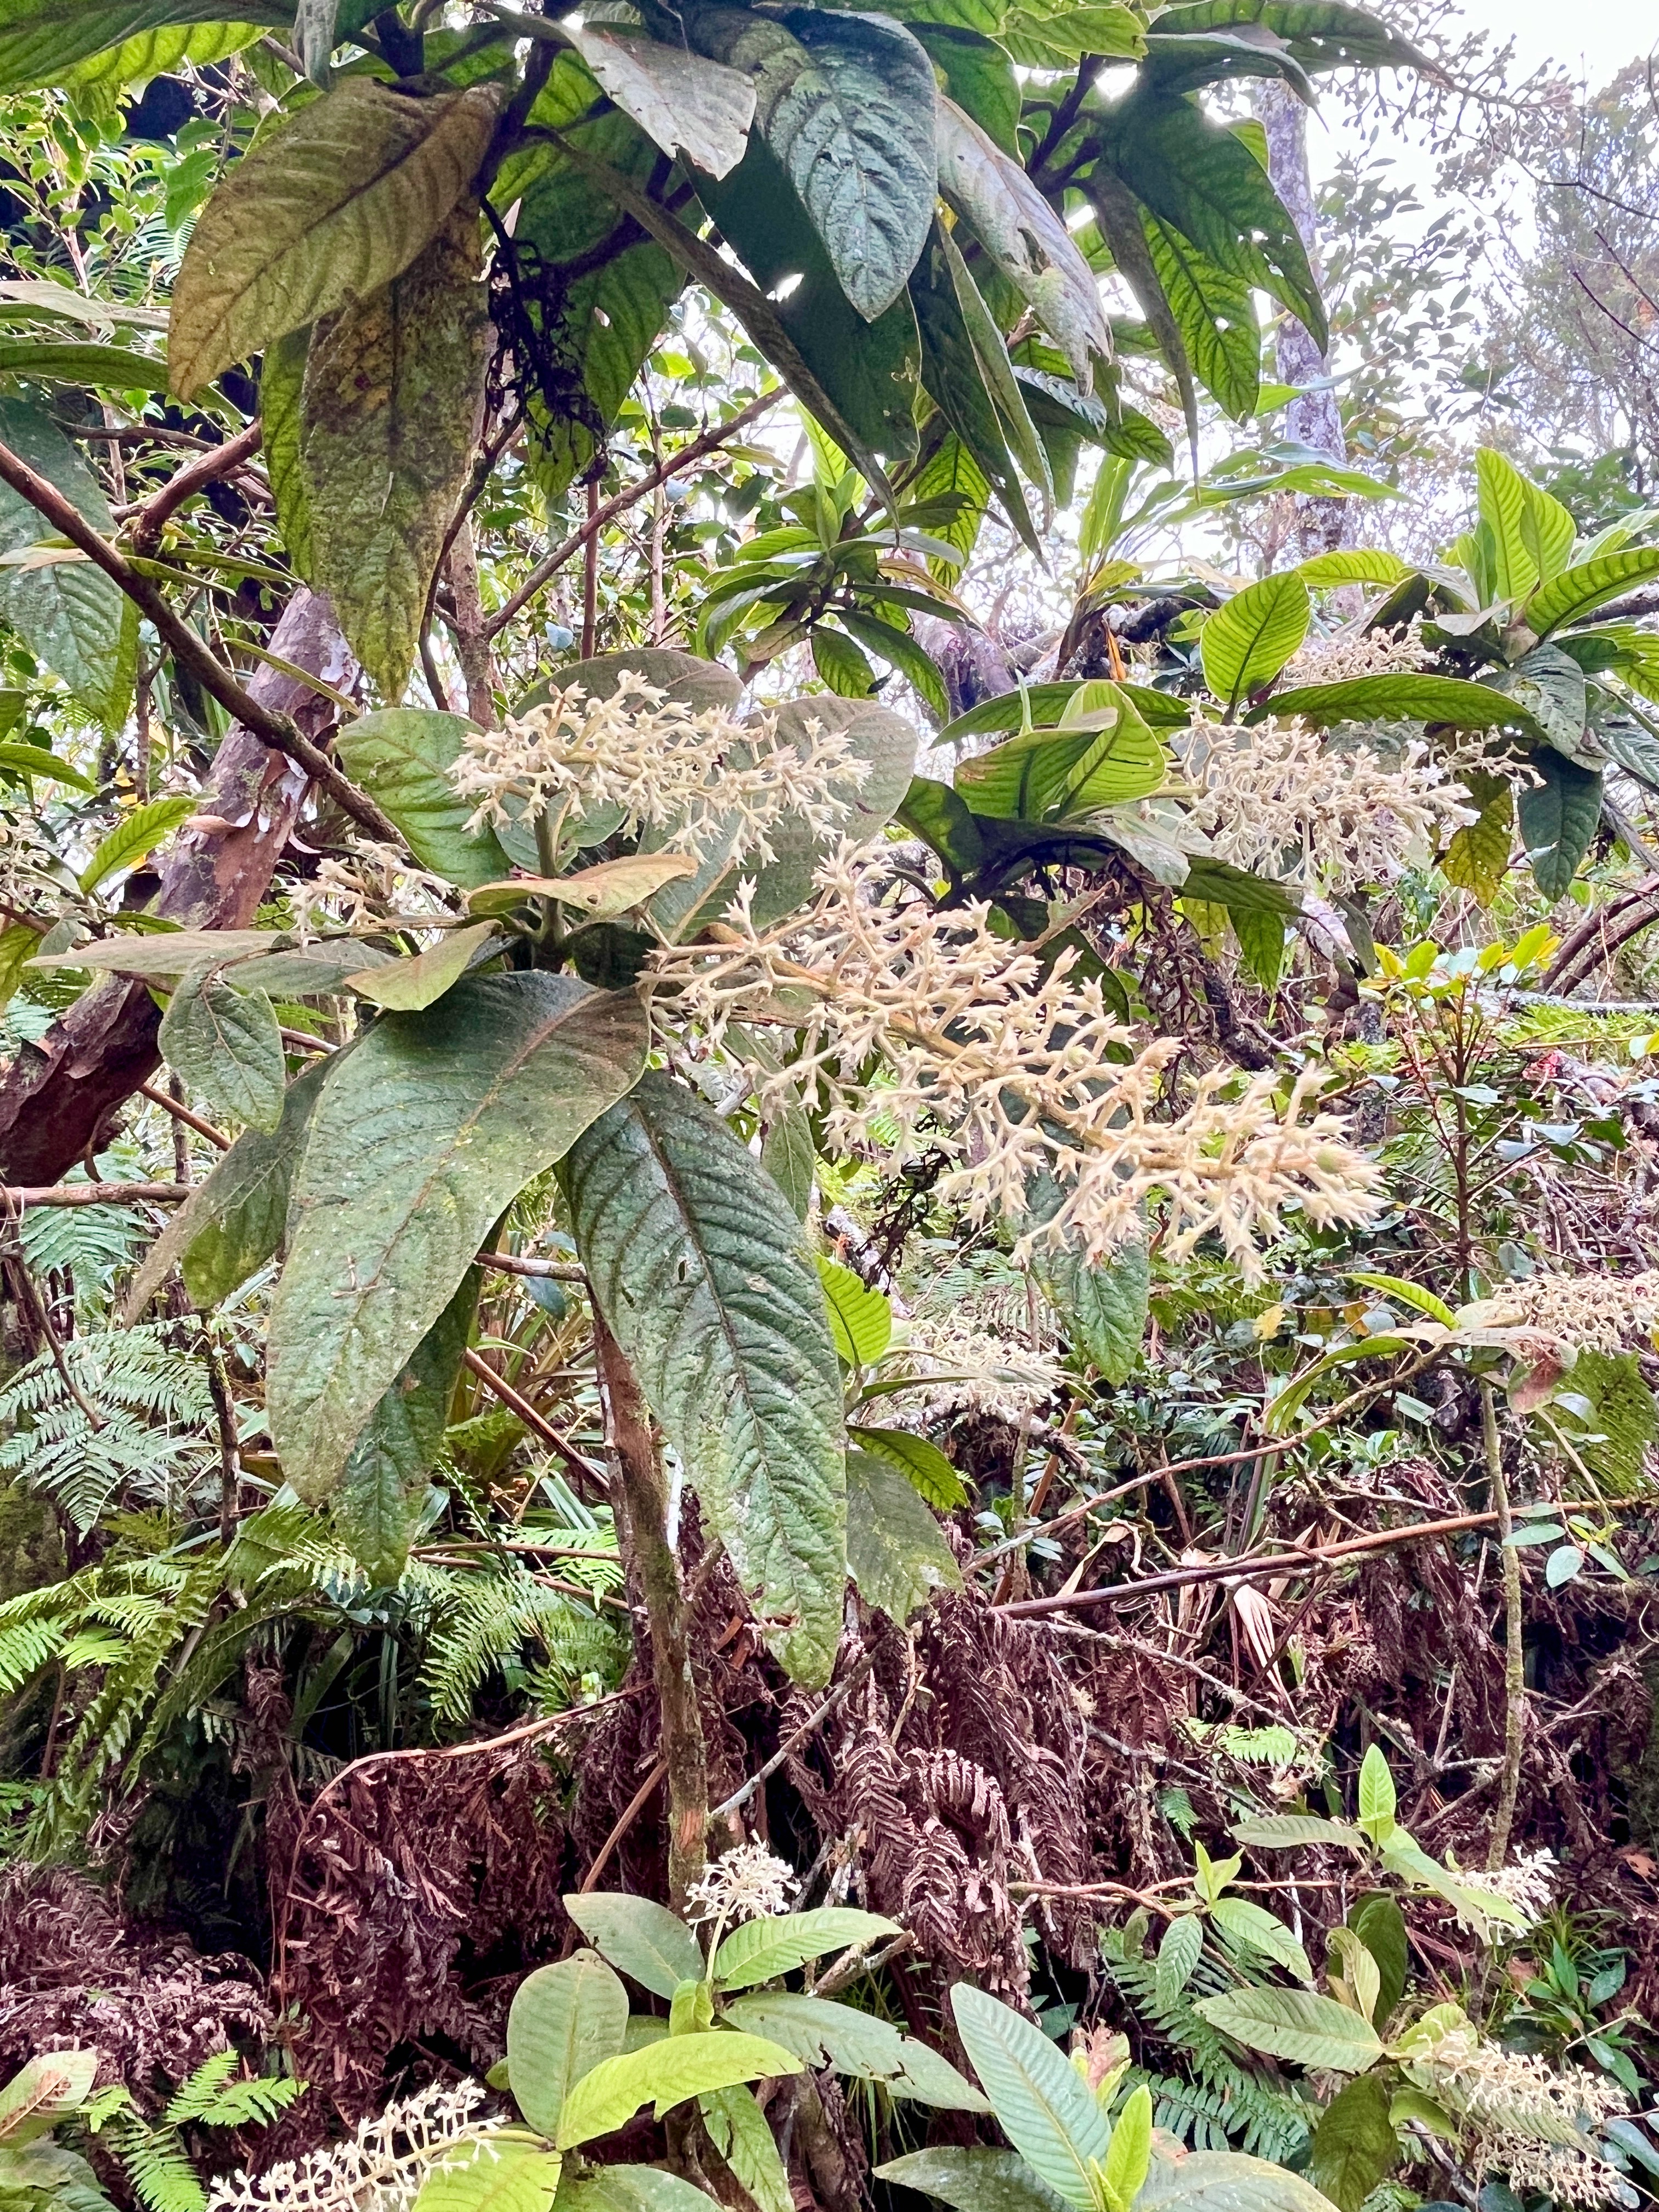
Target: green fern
(214, 2100)
(151, 1437)
(481, 1622)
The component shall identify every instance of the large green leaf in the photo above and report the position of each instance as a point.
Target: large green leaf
(739, 2130)
(1246, 642)
(860, 1318)
(1284, 1831)
(761, 1950)
(97, 85)
(651, 1944)
(281, 390)
(631, 2188)
(955, 377)
(896, 1551)
(392, 386)
(1214, 315)
(1042, 2104)
(973, 2180)
(1296, 2024)
(42, 41)
(496, 2176)
(664, 2075)
(846, 104)
(1578, 591)
(1226, 2181)
(1321, 33)
(1354, 2145)
(231, 1224)
(383, 1491)
(401, 757)
(707, 1279)
(564, 2020)
(1056, 774)
(325, 211)
(920, 1460)
(1550, 684)
(1532, 534)
(426, 1134)
(1559, 818)
(105, 367)
(1201, 180)
(1026, 239)
(1449, 699)
(861, 2043)
(226, 1044)
(1378, 1922)
(134, 838)
(684, 103)
(1104, 1305)
(991, 353)
(69, 614)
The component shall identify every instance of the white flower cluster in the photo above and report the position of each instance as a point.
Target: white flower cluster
(976, 1365)
(381, 2168)
(1013, 1071)
(369, 883)
(707, 781)
(748, 1883)
(1598, 1313)
(1352, 653)
(1277, 798)
(1523, 2117)
(1528, 1884)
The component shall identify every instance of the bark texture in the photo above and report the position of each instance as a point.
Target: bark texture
(1314, 418)
(58, 1099)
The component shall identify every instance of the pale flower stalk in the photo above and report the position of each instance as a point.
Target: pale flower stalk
(704, 781)
(1594, 1313)
(1013, 1072)
(381, 2168)
(1523, 2117)
(748, 1883)
(1352, 653)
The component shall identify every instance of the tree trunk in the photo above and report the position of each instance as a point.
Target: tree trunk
(1313, 418)
(58, 1099)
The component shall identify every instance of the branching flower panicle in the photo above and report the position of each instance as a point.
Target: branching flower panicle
(1354, 654)
(748, 1883)
(1528, 1884)
(1277, 795)
(1597, 1313)
(707, 781)
(381, 2168)
(370, 881)
(1523, 2117)
(1011, 1071)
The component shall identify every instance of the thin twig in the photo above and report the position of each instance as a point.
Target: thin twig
(218, 462)
(636, 1805)
(182, 1113)
(813, 1722)
(22, 1194)
(532, 1420)
(1515, 1672)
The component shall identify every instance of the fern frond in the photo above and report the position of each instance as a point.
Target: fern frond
(157, 2166)
(482, 1620)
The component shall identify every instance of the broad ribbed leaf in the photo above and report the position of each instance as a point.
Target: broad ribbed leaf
(631, 2189)
(921, 1462)
(896, 1550)
(1354, 2145)
(69, 614)
(1025, 237)
(1214, 318)
(1248, 641)
(401, 757)
(42, 41)
(1226, 2181)
(1321, 33)
(1177, 1955)
(1284, 1831)
(739, 2130)
(1325, 570)
(107, 367)
(1550, 684)
(1559, 818)
(133, 839)
(1570, 596)
(226, 1044)
(282, 387)
(973, 2180)
(706, 1278)
(407, 986)
(231, 1224)
(499, 2177)
(97, 86)
(664, 2075)
(1042, 2104)
(686, 103)
(846, 104)
(651, 1945)
(761, 1950)
(1055, 774)
(1258, 1929)
(1104, 1305)
(564, 2021)
(1448, 699)
(328, 209)
(860, 1318)
(954, 379)
(391, 390)
(428, 1131)
(1531, 533)
(1477, 857)
(1378, 1922)
(1296, 2024)
(384, 1489)
(860, 2043)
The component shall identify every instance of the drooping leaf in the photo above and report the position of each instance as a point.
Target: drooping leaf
(1578, 591)
(327, 210)
(650, 1944)
(738, 2130)
(1559, 819)
(1104, 1306)
(1214, 317)
(432, 1127)
(281, 390)
(1448, 699)
(103, 368)
(1025, 237)
(824, 2033)
(1257, 1929)
(973, 2180)
(41, 42)
(664, 2075)
(392, 386)
(1042, 2102)
(921, 1462)
(400, 757)
(406, 986)
(1109, 757)
(231, 1224)
(225, 1043)
(631, 2188)
(1296, 2024)
(1354, 2145)
(684, 102)
(1477, 859)
(762, 1950)
(790, 1158)
(1550, 684)
(896, 1551)
(564, 2020)
(979, 76)
(706, 1278)
(1177, 1955)
(383, 1491)
(955, 377)
(860, 1317)
(1284, 1831)
(1325, 570)
(1226, 2181)
(97, 86)
(133, 839)
(1246, 642)
(846, 104)
(68, 613)
(1378, 1922)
